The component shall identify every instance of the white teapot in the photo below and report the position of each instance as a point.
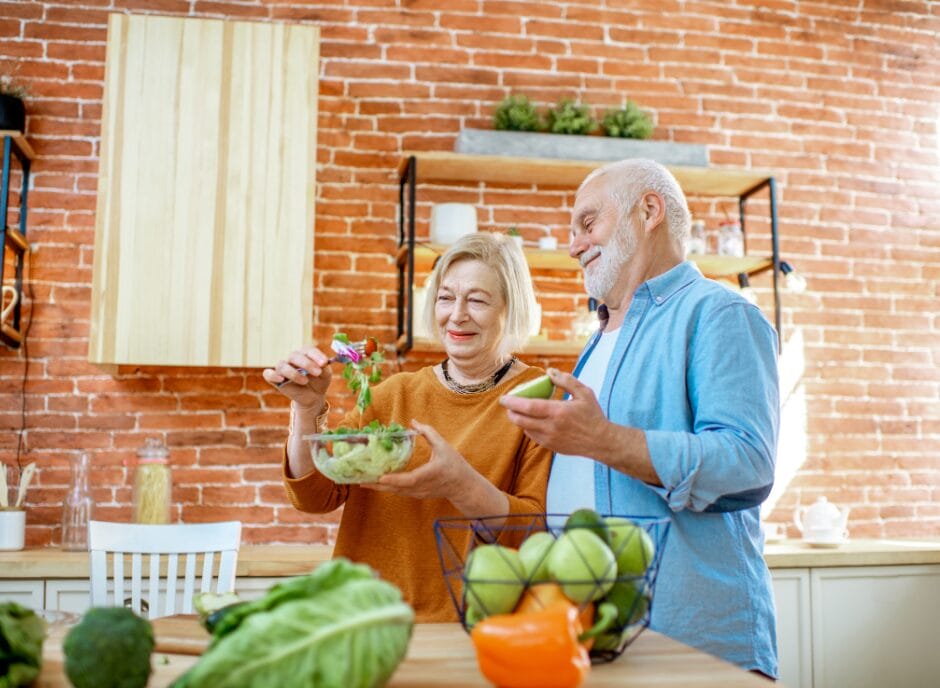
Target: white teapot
(822, 522)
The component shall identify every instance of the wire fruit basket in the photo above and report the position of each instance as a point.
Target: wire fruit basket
(491, 564)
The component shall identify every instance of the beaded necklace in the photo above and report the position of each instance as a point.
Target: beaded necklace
(476, 387)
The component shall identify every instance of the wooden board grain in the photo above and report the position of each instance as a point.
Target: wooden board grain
(204, 228)
(180, 634)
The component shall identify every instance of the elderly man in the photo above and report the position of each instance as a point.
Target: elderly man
(672, 411)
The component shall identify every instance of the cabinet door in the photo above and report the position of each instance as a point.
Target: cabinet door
(876, 626)
(68, 595)
(28, 593)
(204, 229)
(794, 638)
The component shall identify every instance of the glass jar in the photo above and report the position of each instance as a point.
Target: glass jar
(730, 239)
(585, 322)
(77, 507)
(152, 483)
(697, 245)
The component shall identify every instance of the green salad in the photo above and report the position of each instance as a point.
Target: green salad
(358, 455)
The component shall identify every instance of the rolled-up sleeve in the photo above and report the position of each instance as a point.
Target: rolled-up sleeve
(725, 461)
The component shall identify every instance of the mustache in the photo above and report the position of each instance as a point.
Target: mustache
(589, 255)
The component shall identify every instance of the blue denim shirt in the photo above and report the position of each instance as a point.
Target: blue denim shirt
(695, 366)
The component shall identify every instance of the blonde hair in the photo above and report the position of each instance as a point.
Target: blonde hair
(630, 179)
(506, 259)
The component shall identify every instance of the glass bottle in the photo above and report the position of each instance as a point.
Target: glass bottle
(152, 483)
(77, 508)
(730, 239)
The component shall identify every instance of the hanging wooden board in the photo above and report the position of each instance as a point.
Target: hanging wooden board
(204, 232)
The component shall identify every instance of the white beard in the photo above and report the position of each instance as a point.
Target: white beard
(600, 280)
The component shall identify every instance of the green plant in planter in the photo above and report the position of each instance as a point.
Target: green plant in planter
(516, 113)
(630, 122)
(12, 110)
(569, 117)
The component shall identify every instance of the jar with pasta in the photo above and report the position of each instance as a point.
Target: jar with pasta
(152, 483)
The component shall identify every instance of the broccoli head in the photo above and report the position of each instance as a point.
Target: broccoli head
(109, 648)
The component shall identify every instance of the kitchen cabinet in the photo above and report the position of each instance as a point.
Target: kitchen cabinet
(28, 593)
(13, 239)
(859, 626)
(876, 626)
(205, 207)
(794, 637)
(456, 168)
(68, 594)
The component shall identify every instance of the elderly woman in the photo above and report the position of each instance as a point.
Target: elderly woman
(474, 461)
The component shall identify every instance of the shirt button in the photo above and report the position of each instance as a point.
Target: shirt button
(659, 299)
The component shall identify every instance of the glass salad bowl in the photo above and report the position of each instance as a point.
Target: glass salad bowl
(361, 456)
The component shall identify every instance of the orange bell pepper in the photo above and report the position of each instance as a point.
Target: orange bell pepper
(537, 649)
(540, 595)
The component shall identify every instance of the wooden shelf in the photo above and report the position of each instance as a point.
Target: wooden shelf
(534, 347)
(712, 266)
(20, 141)
(458, 167)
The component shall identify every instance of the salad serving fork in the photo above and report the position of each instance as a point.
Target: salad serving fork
(352, 352)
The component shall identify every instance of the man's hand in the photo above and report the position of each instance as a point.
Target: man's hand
(565, 427)
(578, 427)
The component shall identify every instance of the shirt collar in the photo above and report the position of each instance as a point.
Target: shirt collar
(663, 286)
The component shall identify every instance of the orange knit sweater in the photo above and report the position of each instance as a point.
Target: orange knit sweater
(395, 534)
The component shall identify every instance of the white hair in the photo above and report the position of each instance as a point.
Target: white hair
(504, 256)
(629, 179)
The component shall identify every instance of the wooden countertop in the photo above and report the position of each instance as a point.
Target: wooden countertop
(295, 560)
(442, 654)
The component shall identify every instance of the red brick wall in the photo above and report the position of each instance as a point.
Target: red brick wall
(839, 99)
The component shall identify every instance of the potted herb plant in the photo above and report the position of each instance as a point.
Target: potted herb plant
(518, 132)
(629, 122)
(569, 117)
(12, 109)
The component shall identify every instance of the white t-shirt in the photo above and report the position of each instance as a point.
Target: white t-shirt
(571, 483)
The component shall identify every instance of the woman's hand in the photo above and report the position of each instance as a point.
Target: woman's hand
(307, 390)
(440, 478)
(446, 475)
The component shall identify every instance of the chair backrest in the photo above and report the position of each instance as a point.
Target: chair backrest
(163, 545)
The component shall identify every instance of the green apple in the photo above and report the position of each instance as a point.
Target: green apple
(534, 555)
(493, 579)
(582, 564)
(539, 388)
(631, 544)
(630, 602)
(588, 518)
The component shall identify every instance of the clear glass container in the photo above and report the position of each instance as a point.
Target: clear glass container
(585, 322)
(697, 245)
(77, 508)
(730, 239)
(152, 483)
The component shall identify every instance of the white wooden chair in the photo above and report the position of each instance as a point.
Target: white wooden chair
(163, 545)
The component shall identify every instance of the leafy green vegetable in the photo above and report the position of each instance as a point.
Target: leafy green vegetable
(359, 375)
(22, 633)
(109, 648)
(338, 627)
